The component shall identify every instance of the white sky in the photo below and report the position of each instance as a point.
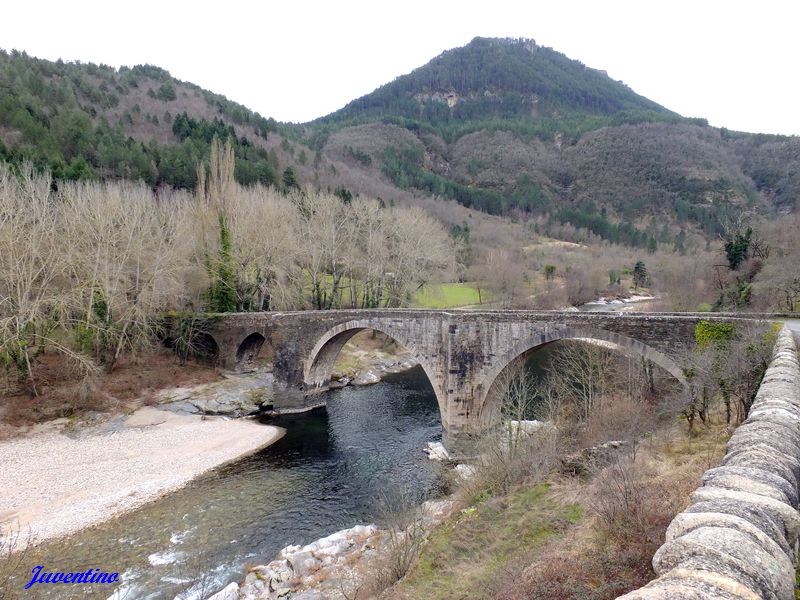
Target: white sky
(734, 62)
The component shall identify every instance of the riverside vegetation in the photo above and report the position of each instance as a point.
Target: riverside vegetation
(575, 507)
(557, 151)
(88, 271)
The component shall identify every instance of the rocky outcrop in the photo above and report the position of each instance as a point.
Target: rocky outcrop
(589, 460)
(235, 396)
(738, 537)
(372, 369)
(331, 568)
(312, 569)
(436, 451)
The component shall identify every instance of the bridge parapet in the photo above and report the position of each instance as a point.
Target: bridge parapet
(738, 537)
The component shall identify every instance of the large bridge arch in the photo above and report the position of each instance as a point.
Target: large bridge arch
(321, 359)
(489, 398)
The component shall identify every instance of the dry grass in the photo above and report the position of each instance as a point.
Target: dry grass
(65, 393)
(484, 543)
(629, 505)
(570, 538)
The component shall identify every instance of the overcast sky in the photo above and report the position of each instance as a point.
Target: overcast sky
(735, 63)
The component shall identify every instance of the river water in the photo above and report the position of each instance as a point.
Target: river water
(324, 475)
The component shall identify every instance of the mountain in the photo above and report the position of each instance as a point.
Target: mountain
(529, 88)
(503, 126)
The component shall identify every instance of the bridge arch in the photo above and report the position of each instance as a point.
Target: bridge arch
(249, 348)
(204, 347)
(490, 398)
(320, 362)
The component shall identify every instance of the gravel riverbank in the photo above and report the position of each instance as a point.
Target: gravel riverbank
(53, 484)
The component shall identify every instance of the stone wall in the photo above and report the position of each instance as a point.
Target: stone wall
(738, 537)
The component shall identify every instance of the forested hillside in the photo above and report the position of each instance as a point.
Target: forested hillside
(504, 84)
(501, 171)
(503, 126)
(84, 121)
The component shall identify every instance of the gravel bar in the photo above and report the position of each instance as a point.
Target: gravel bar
(53, 485)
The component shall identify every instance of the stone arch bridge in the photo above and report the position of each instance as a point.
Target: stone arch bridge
(462, 352)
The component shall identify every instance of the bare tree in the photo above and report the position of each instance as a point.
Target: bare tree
(502, 273)
(266, 249)
(400, 514)
(585, 374)
(34, 293)
(421, 251)
(126, 264)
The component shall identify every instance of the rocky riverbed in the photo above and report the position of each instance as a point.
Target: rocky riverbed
(113, 467)
(237, 395)
(330, 568)
(360, 366)
(364, 362)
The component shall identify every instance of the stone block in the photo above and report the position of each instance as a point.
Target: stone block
(778, 511)
(732, 554)
(737, 478)
(685, 522)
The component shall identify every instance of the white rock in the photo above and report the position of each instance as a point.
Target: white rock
(528, 427)
(436, 451)
(288, 550)
(366, 378)
(465, 472)
(303, 563)
(229, 592)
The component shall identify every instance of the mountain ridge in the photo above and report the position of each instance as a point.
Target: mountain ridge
(499, 125)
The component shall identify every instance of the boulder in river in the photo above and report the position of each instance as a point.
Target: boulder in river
(301, 572)
(436, 451)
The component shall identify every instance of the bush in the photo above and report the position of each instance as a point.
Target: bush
(14, 546)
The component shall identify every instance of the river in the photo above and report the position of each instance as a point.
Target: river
(325, 474)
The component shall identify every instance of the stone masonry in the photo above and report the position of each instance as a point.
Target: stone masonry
(738, 538)
(462, 352)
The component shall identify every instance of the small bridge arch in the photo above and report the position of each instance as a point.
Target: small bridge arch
(204, 346)
(249, 348)
(321, 360)
(491, 396)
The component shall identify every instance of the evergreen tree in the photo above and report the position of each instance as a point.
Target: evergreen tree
(290, 179)
(223, 289)
(737, 247)
(640, 274)
(214, 188)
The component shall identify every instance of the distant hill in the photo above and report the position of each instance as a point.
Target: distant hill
(85, 121)
(528, 88)
(504, 124)
(501, 125)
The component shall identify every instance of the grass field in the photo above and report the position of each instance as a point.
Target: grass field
(449, 295)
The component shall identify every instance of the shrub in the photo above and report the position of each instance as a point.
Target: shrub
(707, 333)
